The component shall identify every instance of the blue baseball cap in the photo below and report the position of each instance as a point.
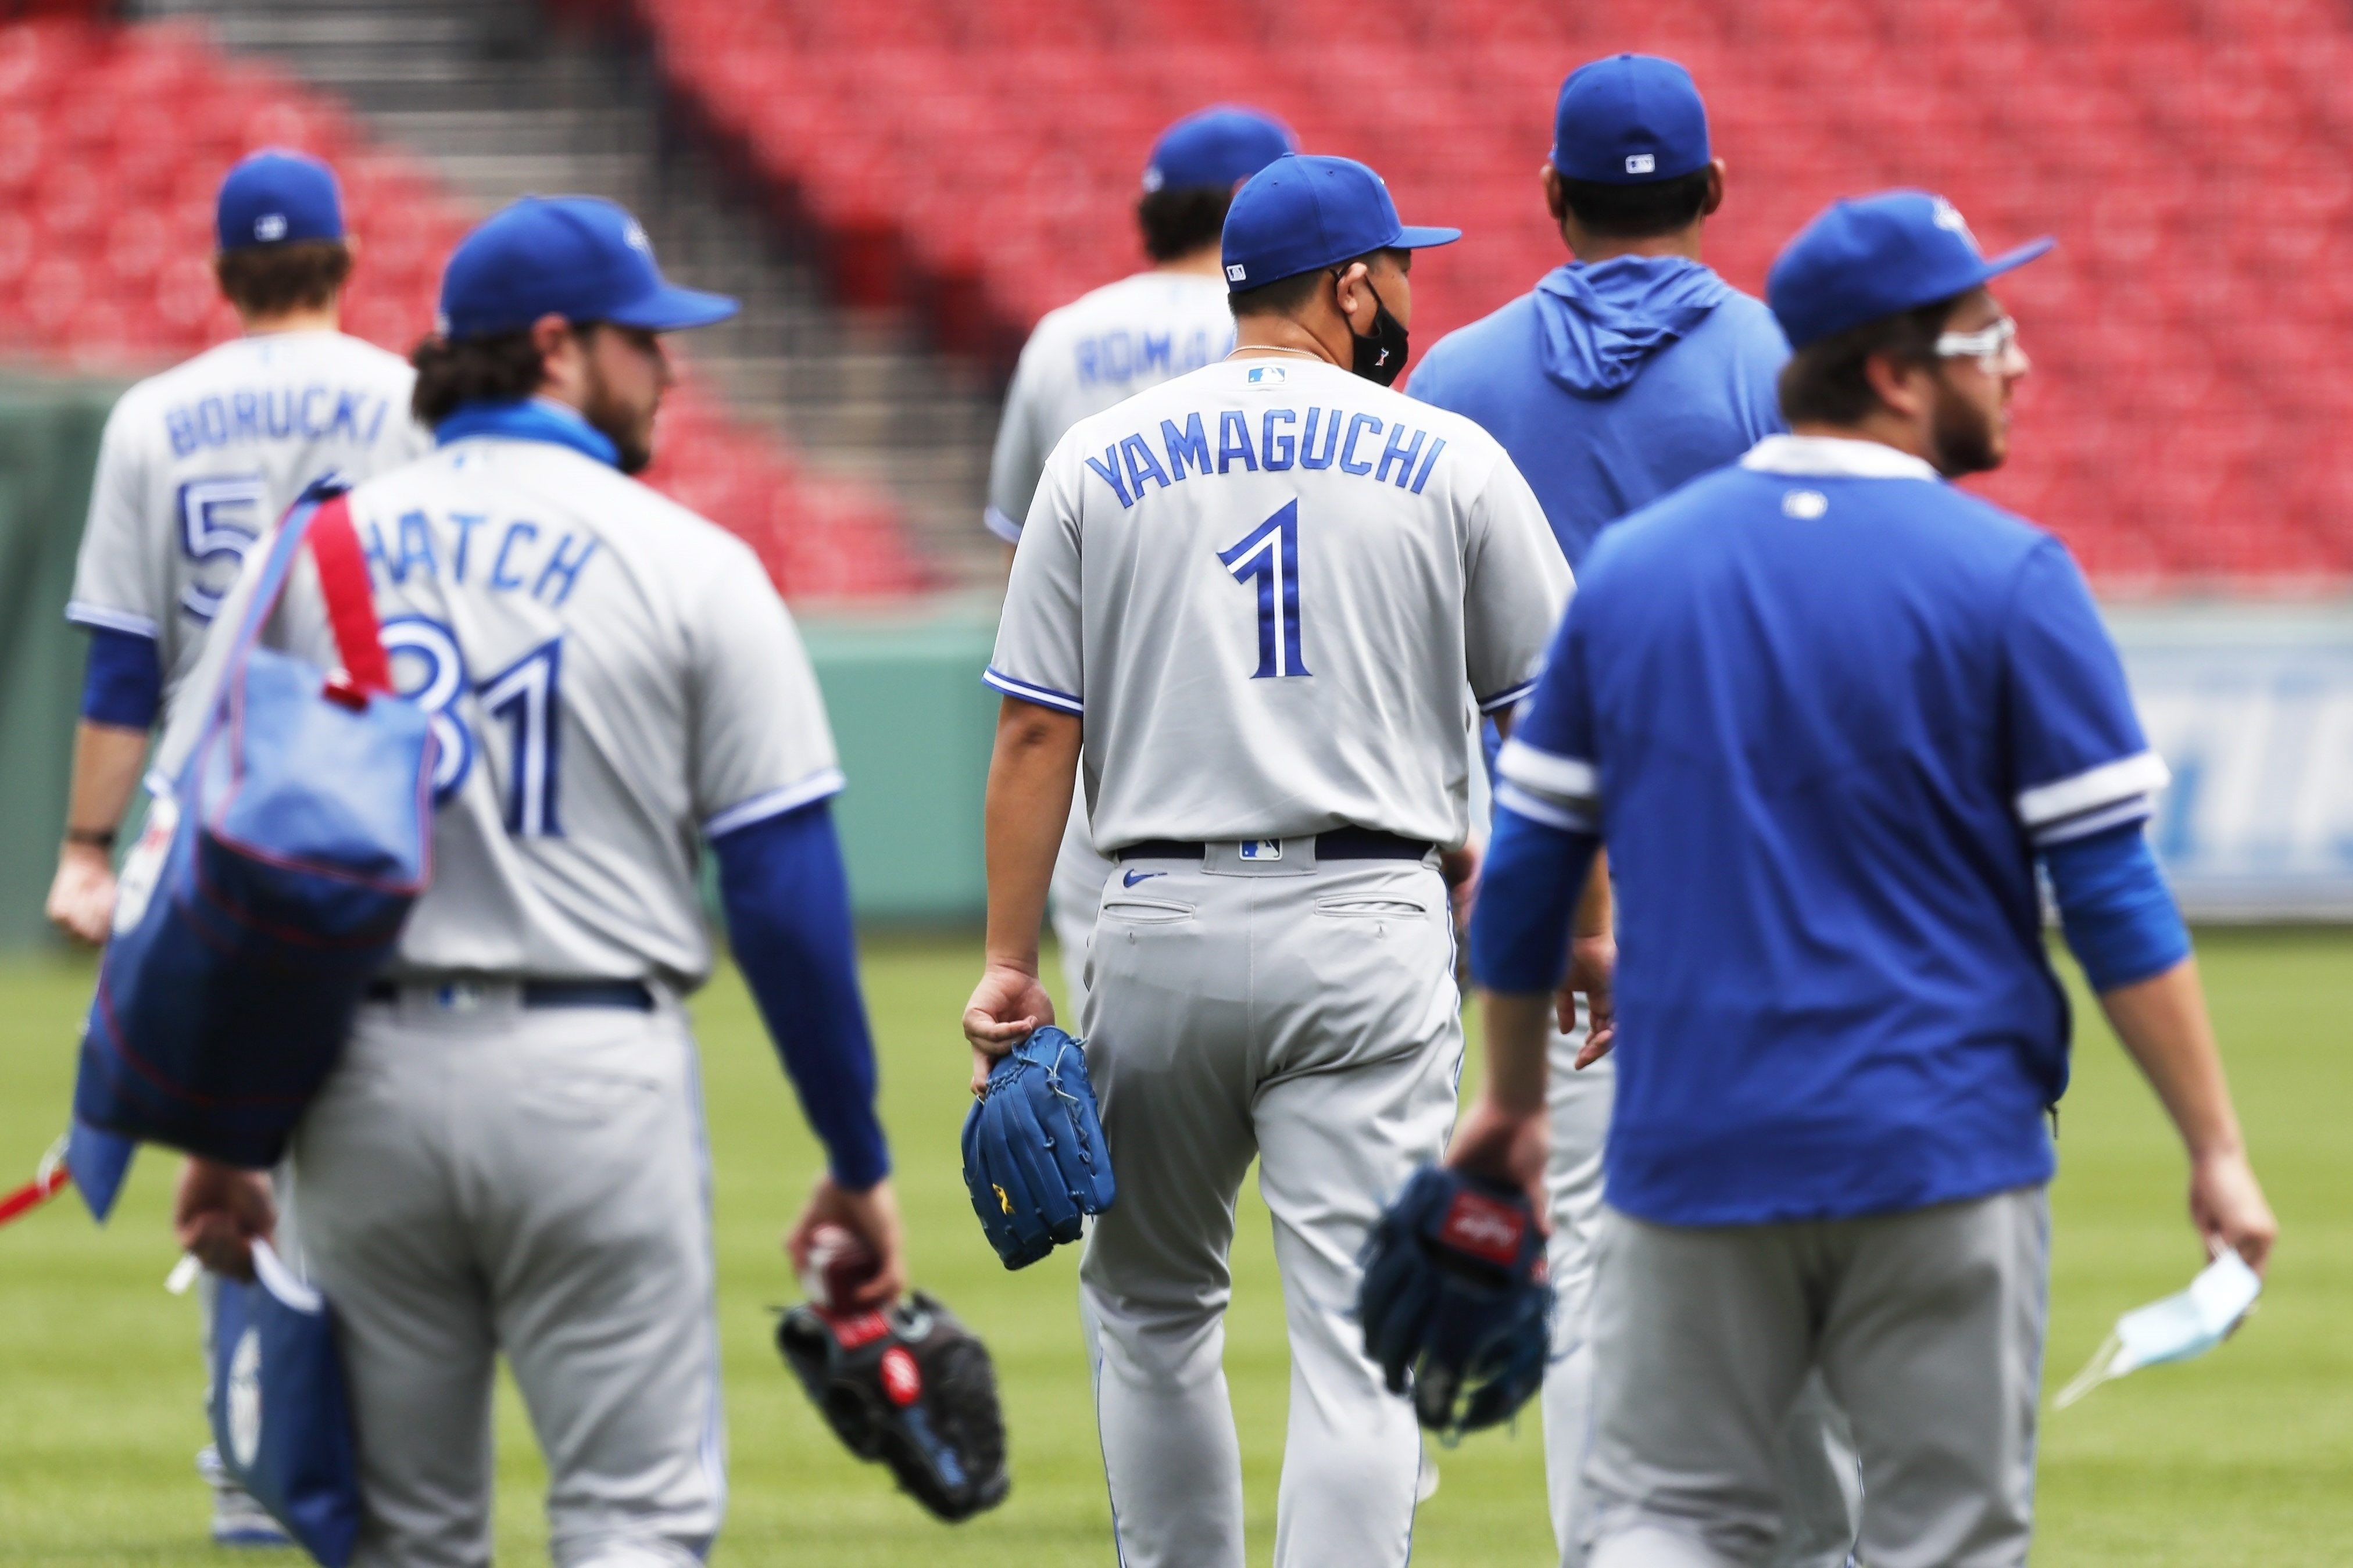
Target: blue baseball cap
(1305, 210)
(1219, 146)
(277, 198)
(1875, 255)
(581, 258)
(1629, 120)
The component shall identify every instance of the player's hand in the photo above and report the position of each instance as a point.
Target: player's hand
(871, 1215)
(219, 1211)
(1007, 1007)
(1592, 974)
(2226, 1205)
(1505, 1146)
(81, 895)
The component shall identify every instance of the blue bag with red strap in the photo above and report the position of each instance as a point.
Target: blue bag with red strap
(270, 884)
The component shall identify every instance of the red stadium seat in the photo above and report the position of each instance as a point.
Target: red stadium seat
(2194, 187)
(111, 143)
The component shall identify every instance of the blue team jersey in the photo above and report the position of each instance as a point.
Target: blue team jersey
(1823, 708)
(1612, 385)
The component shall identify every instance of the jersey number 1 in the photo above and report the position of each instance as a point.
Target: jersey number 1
(1270, 553)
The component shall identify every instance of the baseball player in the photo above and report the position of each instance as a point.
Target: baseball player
(510, 1159)
(1624, 374)
(1839, 1030)
(1108, 345)
(1264, 601)
(195, 466)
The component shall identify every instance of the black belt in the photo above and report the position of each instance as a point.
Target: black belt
(630, 996)
(1340, 844)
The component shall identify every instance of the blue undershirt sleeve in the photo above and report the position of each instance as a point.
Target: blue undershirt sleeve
(124, 683)
(1528, 891)
(2115, 907)
(786, 897)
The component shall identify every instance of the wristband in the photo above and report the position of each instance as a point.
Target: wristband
(92, 837)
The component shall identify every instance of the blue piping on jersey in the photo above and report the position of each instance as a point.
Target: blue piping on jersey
(529, 419)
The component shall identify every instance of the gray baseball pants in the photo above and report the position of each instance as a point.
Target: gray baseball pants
(1928, 1328)
(1306, 1016)
(1821, 1490)
(478, 1178)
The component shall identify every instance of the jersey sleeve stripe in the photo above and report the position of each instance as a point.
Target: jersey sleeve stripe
(1563, 778)
(1536, 808)
(82, 613)
(1028, 691)
(776, 803)
(1505, 697)
(2143, 773)
(2084, 824)
(1008, 529)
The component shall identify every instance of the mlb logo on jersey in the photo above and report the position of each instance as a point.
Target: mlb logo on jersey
(1267, 376)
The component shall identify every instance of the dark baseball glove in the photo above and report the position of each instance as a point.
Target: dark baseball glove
(1034, 1158)
(1454, 1301)
(911, 1387)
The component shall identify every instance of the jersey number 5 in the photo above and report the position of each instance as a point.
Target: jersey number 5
(219, 520)
(1270, 553)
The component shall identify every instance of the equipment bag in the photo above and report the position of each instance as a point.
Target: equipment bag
(270, 883)
(281, 1412)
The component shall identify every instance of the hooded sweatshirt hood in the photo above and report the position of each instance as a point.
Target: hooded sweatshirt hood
(1600, 324)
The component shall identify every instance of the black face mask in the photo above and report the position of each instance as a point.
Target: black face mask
(1380, 353)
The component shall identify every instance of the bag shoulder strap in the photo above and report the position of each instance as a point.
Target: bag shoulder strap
(350, 596)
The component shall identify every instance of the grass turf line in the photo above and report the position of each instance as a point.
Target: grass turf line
(2240, 1457)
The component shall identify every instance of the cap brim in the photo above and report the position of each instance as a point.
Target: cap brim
(2010, 259)
(670, 308)
(1410, 237)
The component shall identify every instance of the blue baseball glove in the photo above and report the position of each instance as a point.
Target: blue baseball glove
(1034, 1158)
(1454, 1301)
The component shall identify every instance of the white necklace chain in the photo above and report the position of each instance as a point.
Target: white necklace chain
(1272, 349)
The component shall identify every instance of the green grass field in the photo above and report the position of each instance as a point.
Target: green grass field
(2245, 1458)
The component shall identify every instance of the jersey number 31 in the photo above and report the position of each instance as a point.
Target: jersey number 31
(1270, 553)
(524, 697)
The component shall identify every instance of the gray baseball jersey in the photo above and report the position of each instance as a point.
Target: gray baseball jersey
(1274, 589)
(200, 461)
(611, 677)
(1097, 351)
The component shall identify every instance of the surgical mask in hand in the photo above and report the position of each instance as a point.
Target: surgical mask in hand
(2176, 1329)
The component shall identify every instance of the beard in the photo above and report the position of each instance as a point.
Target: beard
(1964, 438)
(631, 430)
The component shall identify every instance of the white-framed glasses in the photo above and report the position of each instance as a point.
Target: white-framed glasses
(1989, 346)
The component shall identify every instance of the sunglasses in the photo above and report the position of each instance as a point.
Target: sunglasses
(1989, 346)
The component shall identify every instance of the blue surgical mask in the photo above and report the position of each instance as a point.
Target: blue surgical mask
(2176, 1329)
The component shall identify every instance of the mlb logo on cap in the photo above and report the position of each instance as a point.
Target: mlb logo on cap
(1628, 119)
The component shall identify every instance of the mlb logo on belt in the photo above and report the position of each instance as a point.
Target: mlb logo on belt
(1484, 1228)
(1262, 848)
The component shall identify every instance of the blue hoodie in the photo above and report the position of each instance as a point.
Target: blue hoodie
(1611, 385)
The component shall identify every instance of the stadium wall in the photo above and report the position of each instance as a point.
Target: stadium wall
(2252, 703)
